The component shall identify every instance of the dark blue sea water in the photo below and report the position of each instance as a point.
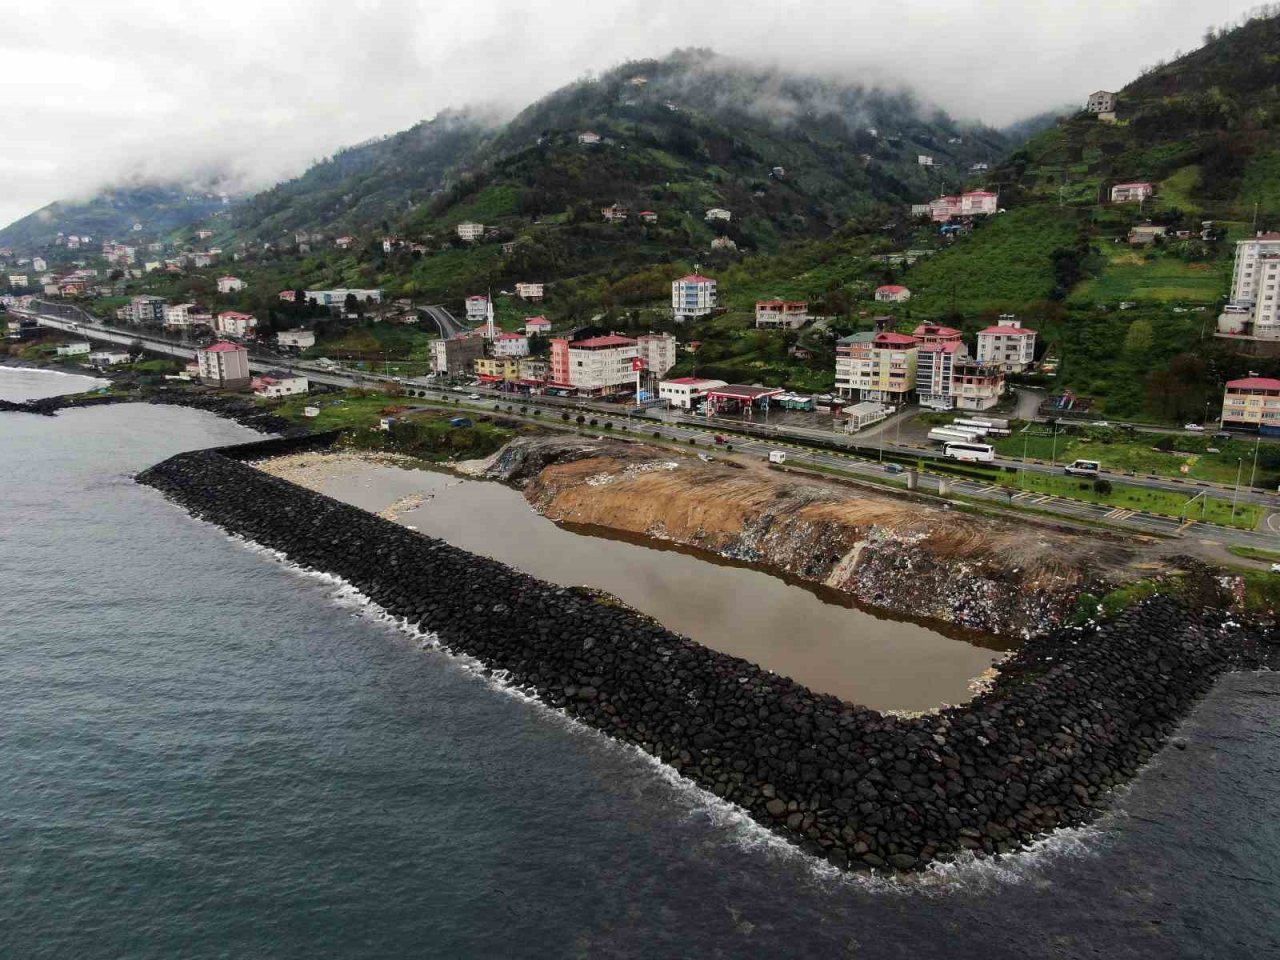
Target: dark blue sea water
(206, 754)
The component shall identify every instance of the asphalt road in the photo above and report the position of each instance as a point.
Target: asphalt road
(444, 320)
(766, 438)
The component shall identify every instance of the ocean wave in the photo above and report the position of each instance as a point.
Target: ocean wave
(967, 874)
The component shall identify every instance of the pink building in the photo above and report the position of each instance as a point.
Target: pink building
(1131, 192)
(932, 333)
(975, 203)
(892, 293)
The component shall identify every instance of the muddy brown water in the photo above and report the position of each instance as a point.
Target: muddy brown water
(810, 633)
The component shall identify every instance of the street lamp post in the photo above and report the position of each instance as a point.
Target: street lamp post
(1236, 493)
(1253, 471)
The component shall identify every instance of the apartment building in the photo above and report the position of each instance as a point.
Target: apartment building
(781, 314)
(658, 351)
(224, 365)
(1252, 402)
(595, 366)
(877, 366)
(692, 297)
(1009, 345)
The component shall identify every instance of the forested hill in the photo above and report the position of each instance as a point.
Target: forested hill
(159, 209)
(1204, 127)
(787, 154)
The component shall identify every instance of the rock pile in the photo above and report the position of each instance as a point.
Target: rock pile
(242, 411)
(1071, 716)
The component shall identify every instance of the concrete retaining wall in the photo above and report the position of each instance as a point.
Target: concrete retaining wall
(1072, 715)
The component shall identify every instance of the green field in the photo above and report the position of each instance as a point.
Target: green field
(1158, 276)
(1124, 452)
(1165, 502)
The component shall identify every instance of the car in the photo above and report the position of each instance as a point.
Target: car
(1275, 568)
(1101, 423)
(473, 396)
(1193, 427)
(894, 468)
(721, 438)
(458, 389)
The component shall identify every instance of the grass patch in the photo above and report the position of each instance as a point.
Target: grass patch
(1254, 553)
(1164, 502)
(1158, 276)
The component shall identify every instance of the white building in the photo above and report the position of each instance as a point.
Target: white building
(338, 296)
(470, 232)
(1131, 192)
(692, 297)
(224, 365)
(616, 213)
(1252, 309)
(658, 351)
(108, 358)
(39, 265)
(17, 279)
(296, 339)
(1101, 101)
(876, 366)
(588, 137)
(1009, 345)
(510, 345)
(892, 293)
(232, 323)
(718, 213)
(599, 365)
(277, 383)
(81, 349)
(178, 316)
(143, 309)
(529, 291)
(781, 314)
(480, 313)
(230, 284)
(924, 160)
(686, 393)
(540, 326)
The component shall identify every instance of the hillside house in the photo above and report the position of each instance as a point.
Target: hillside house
(337, 297)
(924, 160)
(724, 243)
(648, 216)
(892, 293)
(470, 232)
(685, 393)
(1145, 233)
(230, 284)
(692, 297)
(781, 314)
(480, 311)
(278, 383)
(588, 137)
(615, 213)
(224, 365)
(717, 213)
(537, 326)
(1009, 345)
(877, 366)
(81, 349)
(975, 203)
(108, 358)
(1252, 403)
(233, 323)
(143, 309)
(344, 243)
(1251, 311)
(532, 292)
(1131, 192)
(1101, 101)
(295, 339)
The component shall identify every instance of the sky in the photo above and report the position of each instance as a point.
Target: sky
(259, 90)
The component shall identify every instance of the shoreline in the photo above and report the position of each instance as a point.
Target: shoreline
(1073, 715)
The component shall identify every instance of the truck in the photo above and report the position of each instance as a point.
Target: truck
(950, 434)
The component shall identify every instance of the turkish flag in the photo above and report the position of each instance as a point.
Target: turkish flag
(637, 364)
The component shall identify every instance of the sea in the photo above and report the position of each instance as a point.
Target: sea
(208, 753)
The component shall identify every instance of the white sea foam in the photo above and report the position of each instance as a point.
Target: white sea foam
(966, 874)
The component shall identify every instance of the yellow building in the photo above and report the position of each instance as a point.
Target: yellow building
(498, 368)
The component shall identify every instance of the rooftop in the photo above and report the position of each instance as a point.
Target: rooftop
(1009, 331)
(738, 391)
(1254, 383)
(891, 288)
(612, 340)
(689, 381)
(223, 347)
(695, 278)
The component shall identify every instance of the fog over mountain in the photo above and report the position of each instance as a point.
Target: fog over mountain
(248, 93)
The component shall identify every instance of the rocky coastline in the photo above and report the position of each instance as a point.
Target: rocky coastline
(1073, 715)
(242, 411)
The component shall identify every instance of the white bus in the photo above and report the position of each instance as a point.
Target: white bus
(947, 434)
(1083, 468)
(970, 451)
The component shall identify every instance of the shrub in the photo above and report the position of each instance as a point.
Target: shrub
(608, 424)
(564, 416)
(580, 420)
(594, 421)
(657, 434)
(1102, 486)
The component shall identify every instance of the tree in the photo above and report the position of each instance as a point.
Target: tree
(1138, 338)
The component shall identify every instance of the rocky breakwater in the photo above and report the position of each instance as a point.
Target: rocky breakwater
(242, 411)
(909, 556)
(1072, 715)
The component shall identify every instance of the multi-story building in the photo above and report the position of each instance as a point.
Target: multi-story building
(692, 297)
(1252, 402)
(230, 284)
(534, 368)
(1009, 345)
(510, 345)
(658, 351)
(39, 265)
(336, 297)
(932, 333)
(877, 366)
(529, 291)
(892, 293)
(686, 393)
(1131, 192)
(224, 365)
(1101, 101)
(935, 373)
(498, 368)
(144, 309)
(480, 314)
(615, 213)
(185, 316)
(975, 385)
(470, 232)
(1252, 309)
(598, 365)
(233, 323)
(456, 357)
(781, 314)
(975, 203)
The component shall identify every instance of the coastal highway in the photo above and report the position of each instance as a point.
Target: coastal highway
(763, 439)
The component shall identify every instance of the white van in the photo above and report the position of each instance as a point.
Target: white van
(777, 456)
(1082, 468)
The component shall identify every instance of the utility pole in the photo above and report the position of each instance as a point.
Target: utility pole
(1236, 494)
(1254, 470)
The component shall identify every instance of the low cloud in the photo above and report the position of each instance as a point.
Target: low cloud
(251, 93)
